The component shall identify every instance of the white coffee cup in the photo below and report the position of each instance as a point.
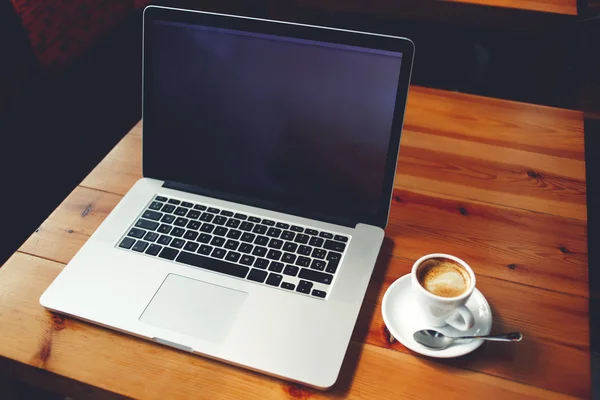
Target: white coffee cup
(437, 310)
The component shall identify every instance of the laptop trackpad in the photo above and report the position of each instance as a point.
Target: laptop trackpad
(194, 308)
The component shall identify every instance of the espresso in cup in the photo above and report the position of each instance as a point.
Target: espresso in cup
(443, 277)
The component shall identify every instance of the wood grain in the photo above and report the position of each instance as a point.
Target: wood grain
(499, 184)
(137, 368)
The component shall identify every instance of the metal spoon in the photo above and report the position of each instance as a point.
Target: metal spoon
(438, 341)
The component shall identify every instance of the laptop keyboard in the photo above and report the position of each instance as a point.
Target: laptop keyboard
(278, 254)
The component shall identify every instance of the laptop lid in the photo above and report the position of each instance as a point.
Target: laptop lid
(294, 118)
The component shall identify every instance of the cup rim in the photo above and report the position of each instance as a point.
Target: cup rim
(466, 266)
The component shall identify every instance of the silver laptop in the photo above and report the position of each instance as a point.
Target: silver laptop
(269, 154)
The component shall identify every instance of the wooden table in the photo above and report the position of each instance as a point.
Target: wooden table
(497, 183)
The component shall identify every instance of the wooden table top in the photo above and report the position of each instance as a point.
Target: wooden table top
(497, 183)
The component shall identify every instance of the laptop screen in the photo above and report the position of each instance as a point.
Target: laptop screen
(298, 123)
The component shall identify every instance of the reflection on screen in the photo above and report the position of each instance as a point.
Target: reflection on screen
(278, 119)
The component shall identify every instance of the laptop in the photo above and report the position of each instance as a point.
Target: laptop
(269, 154)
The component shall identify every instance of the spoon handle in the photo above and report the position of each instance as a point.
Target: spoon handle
(505, 337)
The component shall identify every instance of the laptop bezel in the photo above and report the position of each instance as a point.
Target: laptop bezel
(301, 31)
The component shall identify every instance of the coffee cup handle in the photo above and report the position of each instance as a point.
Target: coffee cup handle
(462, 319)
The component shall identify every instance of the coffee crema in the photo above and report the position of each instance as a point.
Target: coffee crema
(443, 277)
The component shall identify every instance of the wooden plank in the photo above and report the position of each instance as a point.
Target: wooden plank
(555, 328)
(515, 245)
(419, 223)
(113, 361)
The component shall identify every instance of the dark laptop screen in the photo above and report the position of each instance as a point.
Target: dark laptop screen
(282, 120)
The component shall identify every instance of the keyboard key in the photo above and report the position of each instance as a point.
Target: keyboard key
(186, 204)
(262, 240)
(151, 236)
(219, 220)
(153, 249)
(326, 235)
(332, 266)
(231, 244)
(155, 205)
(257, 275)
(233, 223)
(319, 265)
(289, 258)
(304, 250)
(234, 234)
(136, 233)
(199, 207)
(168, 253)
(126, 243)
(208, 228)
(210, 264)
(168, 218)
(335, 246)
(178, 232)
(268, 222)
(289, 246)
(181, 211)
(168, 208)
(300, 238)
(297, 228)
(260, 229)
(316, 241)
(145, 224)
(173, 201)
(153, 215)
(191, 246)
(204, 238)
(254, 219)
(218, 253)
(274, 255)
(311, 232)
(233, 256)
(177, 243)
(180, 221)
(227, 213)
(240, 216)
(291, 270)
(193, 214)
(315, 276)
(245, 248)
(217, 241)
(274, 232)
(276, 266)
(282, 225)
(261, 263)
(164, 240)
(288, 286)
(319, 253)
(193, 225)
(287, 235)
(303, 261)
(207, 217)
(275, 243)
(274, 279)
(319, 293)
(248, 237)
(246, 226)
(214, 210)
(304, 287)
(332, 255)
(259, 251)
(161, 198)
(205, 249)
(190, 235)
(247, 260)
(220, 231)
(341, 238)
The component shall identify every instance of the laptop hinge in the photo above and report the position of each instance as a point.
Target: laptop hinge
(260, 204)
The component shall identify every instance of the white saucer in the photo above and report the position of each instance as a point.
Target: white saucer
(402, 317)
